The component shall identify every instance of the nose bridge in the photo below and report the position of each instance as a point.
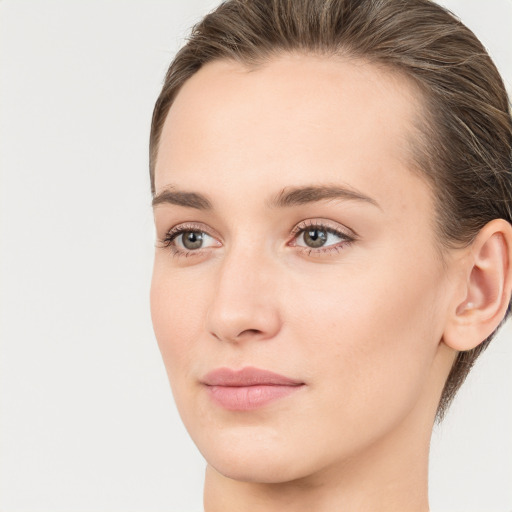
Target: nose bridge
(244, 303)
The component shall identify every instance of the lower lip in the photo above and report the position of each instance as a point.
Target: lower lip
(247, 398)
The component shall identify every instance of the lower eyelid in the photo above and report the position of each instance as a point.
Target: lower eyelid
(323, 252)
(334, 247)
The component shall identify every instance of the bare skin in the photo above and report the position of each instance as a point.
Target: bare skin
(369, 322)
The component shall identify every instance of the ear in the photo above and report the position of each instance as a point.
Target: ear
(485, 288)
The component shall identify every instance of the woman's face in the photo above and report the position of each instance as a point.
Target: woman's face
(295, 238)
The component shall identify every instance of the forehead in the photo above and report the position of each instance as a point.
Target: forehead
(291, 120)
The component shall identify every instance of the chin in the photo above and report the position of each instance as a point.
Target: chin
(257, 470)
(254, 459)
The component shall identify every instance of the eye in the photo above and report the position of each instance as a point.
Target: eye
(318, 236)
(188, 240)
(314, 236)
(191, 240)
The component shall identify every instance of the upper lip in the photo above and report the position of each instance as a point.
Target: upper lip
(248, 376)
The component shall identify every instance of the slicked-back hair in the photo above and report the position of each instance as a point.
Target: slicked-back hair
(464, 144)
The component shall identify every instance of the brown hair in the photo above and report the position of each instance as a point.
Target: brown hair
(465, 147)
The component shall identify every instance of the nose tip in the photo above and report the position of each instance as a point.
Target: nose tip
(245, 307)
(238, 321)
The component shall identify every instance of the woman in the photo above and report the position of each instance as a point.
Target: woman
(332, 192)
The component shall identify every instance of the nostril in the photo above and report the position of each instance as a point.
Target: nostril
(249, 331)
(237, 323)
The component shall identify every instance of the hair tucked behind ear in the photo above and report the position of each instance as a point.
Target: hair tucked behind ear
(464, 147)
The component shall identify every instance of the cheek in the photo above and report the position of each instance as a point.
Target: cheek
(176, 315)
(371, 337)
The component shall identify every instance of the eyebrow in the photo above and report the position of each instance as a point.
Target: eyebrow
(286, 198)
(179, 198)
(296, 196)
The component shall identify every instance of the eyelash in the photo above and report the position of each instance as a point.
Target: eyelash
(302, 227)
(347, 240)
(172, 234)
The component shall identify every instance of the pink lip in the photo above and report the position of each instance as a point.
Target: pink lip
(247, 389)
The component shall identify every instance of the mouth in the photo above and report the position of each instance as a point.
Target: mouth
(249, 388)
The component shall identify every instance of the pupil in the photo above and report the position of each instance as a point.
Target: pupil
(192, 239)
(315, 237)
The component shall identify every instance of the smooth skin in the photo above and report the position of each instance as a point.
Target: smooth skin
(370, 321)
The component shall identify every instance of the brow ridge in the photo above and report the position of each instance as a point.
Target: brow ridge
(182, 198)
(286, 198)
(296, 196)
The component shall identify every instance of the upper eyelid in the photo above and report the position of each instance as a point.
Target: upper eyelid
(171, 234)
(326, 224)
(299, 227)
(193, 226)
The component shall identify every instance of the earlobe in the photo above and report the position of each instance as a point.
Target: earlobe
(487, 288)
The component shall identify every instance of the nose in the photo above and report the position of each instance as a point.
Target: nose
(244, 304)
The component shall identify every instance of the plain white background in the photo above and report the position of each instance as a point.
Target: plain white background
(87, 421)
